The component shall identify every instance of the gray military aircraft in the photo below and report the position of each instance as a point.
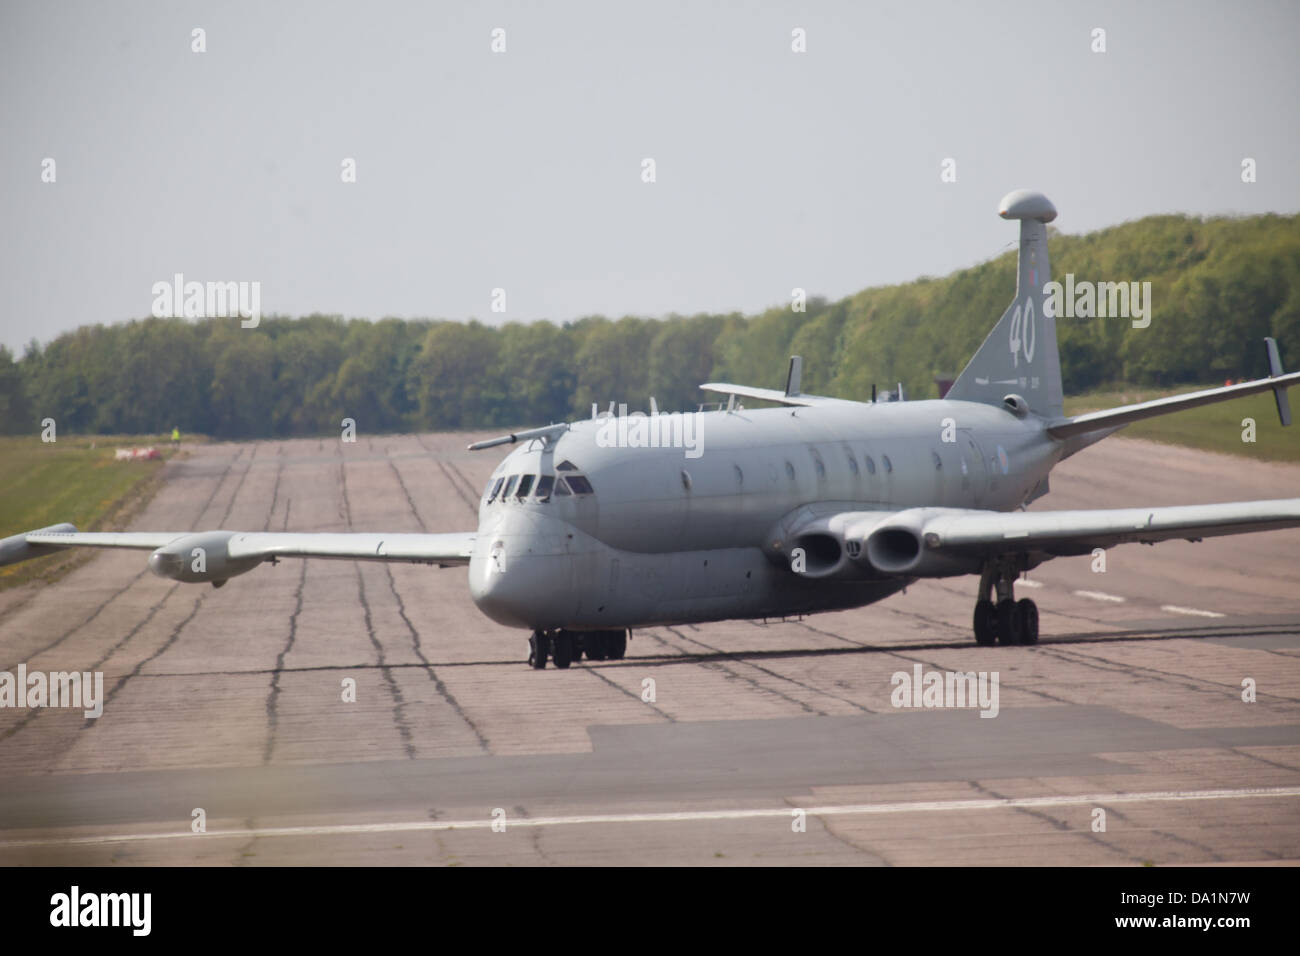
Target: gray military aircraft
(589, 529)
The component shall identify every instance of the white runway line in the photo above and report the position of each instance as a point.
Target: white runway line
(684, 816)
(1197, 612)
(1026, 583)
(1100, 596)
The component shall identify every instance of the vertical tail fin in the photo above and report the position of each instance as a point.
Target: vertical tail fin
(1020, 354)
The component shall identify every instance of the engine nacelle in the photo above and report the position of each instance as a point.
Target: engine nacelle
(822, 546)
(897, 546)
(200, 558)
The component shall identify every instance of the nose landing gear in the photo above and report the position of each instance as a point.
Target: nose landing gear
(1006, 621)
(564, 647)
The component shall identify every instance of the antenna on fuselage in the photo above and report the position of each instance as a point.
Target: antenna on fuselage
(873, 393)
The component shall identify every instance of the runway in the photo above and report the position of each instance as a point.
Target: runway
(763, 743)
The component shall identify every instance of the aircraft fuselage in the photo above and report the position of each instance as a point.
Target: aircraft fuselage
(677, 535)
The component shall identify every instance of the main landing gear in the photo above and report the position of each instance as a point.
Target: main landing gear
(564, 647)
(1006, 621)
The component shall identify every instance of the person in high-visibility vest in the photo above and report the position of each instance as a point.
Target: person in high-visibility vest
(176, 435)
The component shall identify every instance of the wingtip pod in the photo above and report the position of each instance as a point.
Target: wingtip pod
(15, 547)
(1026, 204)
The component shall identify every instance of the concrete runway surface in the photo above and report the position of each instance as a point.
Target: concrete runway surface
(229, 700)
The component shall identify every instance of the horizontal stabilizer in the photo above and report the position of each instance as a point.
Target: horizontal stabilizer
(1114, 417)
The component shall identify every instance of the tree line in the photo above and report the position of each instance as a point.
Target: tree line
(1219, 286)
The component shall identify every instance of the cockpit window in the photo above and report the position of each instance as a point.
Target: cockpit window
(525, 486)
(494, 487)
(566, 465)
(562, 489)
(579, 485)
(544, 485)
(510, 487)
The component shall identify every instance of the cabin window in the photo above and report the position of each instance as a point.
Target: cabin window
(889, 465)
(740, 476)
(871, 464)
(525, 486)
(544, 485)
(819, 466)
(789, 471)
(495, 486)
(510, 487)
(938, 462)
(686, 479)
(853, 464)
(579, 485)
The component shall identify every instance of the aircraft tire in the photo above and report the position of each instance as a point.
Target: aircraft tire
(1027, 611)
(986, 623)
(616, 645)
(1009, 623)
(537, 650)
(562, 649)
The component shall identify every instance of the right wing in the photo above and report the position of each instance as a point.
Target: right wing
(216, 556)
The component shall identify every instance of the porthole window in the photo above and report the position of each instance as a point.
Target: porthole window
(938, 462)
(871, 465)
(853, 465)
(789, 471)
(740, 476)
(889, 465)
(686, 479)
(819, 466)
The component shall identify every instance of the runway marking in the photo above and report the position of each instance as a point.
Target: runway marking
(683, 816)
(1197, 612)
(1026, 583)
(1100, 596)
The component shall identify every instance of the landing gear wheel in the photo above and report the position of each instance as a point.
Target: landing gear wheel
(1009, 623)
(986, 623)
(537, 648)
(616, 645)
(595, 645)
(1027, 612)
(562, 649)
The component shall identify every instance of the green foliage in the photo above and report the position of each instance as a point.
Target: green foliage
(1217, 287)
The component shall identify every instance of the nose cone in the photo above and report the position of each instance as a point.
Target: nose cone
(506, 595)
(522, 575)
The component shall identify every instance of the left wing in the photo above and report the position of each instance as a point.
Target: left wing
(216, 556)
(944, 541)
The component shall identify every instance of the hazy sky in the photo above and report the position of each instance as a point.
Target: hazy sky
(523, 169)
